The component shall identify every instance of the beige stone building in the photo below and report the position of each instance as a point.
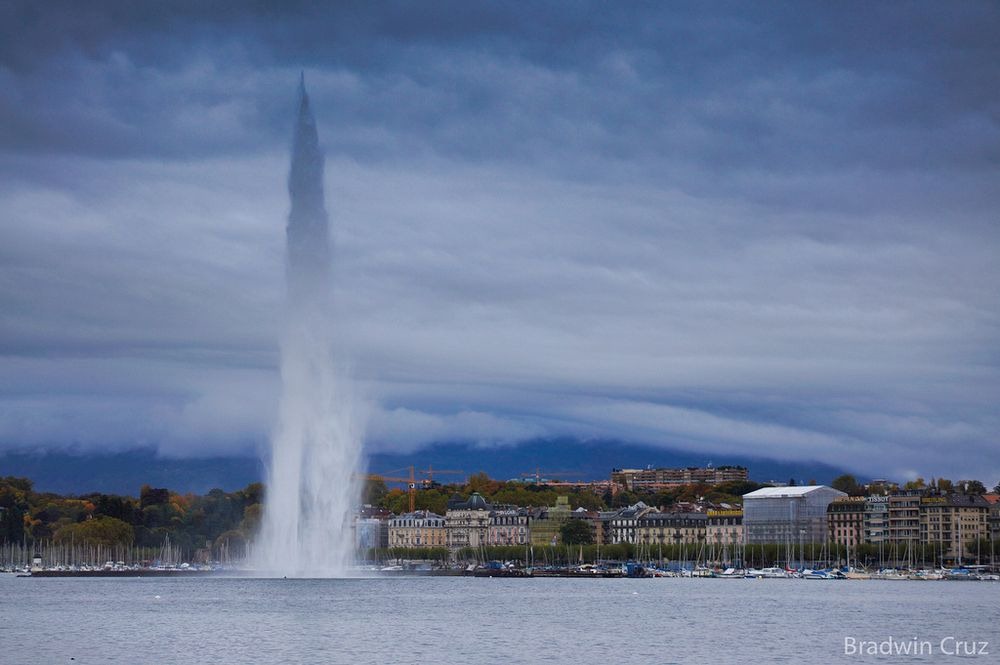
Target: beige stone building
(467, 522)
(724, 528)
(656, 528)
(509, 525)
(953, 521)
(904, 516)
(418, 529)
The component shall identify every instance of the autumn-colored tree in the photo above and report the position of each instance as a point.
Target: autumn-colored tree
(482, 483)
(106, 531)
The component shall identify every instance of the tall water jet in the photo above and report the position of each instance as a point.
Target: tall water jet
(315, 453)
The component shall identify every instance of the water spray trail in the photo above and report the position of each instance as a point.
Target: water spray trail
(315, 456)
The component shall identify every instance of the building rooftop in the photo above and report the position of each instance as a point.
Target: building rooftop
(957, 500)
(668, 517)
(788, 492)
(474, 502)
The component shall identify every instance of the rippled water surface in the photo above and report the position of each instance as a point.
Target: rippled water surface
(470, 620)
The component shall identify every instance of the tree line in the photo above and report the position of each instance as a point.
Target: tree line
(191, 522)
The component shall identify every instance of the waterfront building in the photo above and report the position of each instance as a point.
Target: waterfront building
(421, 528)
(545, 530)
(993, 519)
(625, 522)
(656, 479)
(876, 519)
(509, 525)
(467, 521)
(846, 520)
(724, 530)
(904, 517)
(788, 515)
(655, 528)
(602, 527)
(370, 533)
(953, 521)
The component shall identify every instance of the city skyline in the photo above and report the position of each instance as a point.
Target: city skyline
(775, 240)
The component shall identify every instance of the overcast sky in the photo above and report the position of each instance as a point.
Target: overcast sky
(753, 228)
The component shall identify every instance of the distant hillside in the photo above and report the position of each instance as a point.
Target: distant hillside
(588, 460)
(124, 473)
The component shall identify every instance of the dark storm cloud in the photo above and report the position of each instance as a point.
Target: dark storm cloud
(727, 227)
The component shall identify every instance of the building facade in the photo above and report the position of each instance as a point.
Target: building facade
(993, 519)
(877, 519)
(467, 522)
(788, 514)
(904, 516)
(953, 521)
(418, 529)
(655, 528)
(656, 479)
(845, 519)
(509, 525)
(724, 528)
(545, 530)
(370, 533)
(625, 523)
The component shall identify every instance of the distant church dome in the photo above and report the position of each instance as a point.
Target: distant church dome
(475, 502)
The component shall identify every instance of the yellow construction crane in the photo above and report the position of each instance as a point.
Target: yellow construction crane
(411, 483)
(411, 480)
(430, 471)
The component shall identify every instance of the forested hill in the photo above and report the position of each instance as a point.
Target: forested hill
(571, 459)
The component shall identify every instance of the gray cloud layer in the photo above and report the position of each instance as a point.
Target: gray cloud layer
(757, 230)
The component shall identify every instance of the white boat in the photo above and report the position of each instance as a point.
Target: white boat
(767, 573)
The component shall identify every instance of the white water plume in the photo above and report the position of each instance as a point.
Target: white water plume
(316, 448)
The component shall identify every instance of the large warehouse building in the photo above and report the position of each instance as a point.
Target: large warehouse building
(787, 514)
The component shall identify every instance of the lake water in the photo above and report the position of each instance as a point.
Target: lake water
(472, 620)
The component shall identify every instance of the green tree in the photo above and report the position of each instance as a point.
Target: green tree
(972, 487)
(106, 531)
(585, 500)
(152, 496)
(251, 520)
(11, 522)
(847, 484)
(576, 532)
(623, 499)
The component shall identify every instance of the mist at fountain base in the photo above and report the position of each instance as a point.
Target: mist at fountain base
(313, 480)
